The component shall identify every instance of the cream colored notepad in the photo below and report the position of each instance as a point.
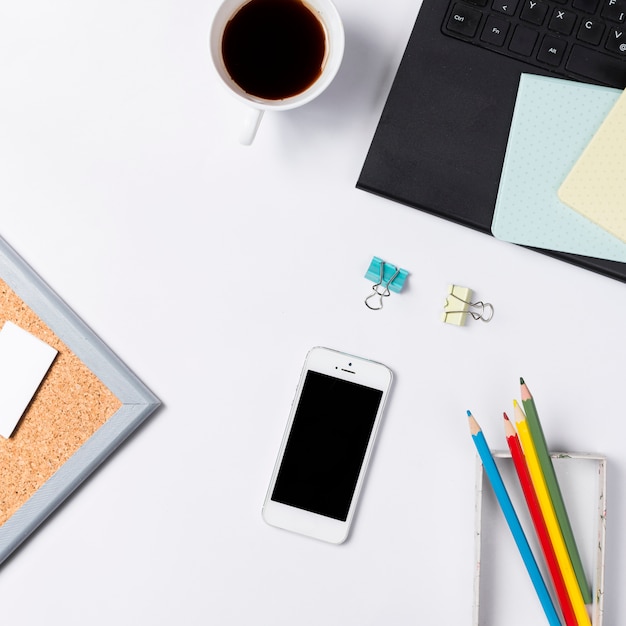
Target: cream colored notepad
(596, 185)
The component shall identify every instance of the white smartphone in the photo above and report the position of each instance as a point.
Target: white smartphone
(327, 444)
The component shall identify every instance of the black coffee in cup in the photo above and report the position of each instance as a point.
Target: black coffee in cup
(274, 49)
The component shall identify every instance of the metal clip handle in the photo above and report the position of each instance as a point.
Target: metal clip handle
(384, 292)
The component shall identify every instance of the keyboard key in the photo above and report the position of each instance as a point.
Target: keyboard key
(464, 20)
(495, 31)
(616, 41)
(614, 10)
(551, 50)
(543, 32)
(534, 11)
(562, 21)
(588, 6)
(508, 7)
(597, 66)
(591, 31)
(523, 40)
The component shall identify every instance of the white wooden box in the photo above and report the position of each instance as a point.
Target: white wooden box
(503, 592)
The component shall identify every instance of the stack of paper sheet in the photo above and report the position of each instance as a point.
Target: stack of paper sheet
(553, 122)
(596, 186)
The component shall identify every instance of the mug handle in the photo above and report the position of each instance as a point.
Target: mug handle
(250, 125)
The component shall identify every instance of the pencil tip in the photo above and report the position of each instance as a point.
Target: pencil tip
(473, 424)
(514, 402)
(508, 427)
(521, 381)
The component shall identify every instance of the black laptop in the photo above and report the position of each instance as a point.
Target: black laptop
(440, 143)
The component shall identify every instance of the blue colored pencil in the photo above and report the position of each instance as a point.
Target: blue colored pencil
(512, 520)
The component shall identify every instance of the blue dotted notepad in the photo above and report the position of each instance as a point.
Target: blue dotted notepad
(553, 121)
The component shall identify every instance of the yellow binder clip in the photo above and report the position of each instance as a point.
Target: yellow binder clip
(459, 304)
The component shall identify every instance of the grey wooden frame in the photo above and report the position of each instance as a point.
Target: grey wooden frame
(138, 402)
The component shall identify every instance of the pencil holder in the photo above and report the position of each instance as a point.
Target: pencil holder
(503, 593)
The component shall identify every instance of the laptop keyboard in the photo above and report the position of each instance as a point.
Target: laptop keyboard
(574, 38)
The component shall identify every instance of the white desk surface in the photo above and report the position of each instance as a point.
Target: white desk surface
(210, 269)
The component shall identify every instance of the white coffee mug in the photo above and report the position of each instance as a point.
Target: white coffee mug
(329, 19)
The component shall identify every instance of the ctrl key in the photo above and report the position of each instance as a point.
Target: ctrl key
(464, 20)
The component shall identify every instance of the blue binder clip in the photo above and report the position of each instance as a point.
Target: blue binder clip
(386, 278)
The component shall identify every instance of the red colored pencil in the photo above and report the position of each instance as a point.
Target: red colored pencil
(539, 523)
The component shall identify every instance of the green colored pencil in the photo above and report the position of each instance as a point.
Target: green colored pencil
(536, 432)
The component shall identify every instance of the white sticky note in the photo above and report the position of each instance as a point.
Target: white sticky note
(24, 361)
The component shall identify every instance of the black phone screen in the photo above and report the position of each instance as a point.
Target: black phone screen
(326, 445)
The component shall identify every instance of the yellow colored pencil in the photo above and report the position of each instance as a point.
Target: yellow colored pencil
(554, 530)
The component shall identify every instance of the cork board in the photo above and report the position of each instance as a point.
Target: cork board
(87, 404)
